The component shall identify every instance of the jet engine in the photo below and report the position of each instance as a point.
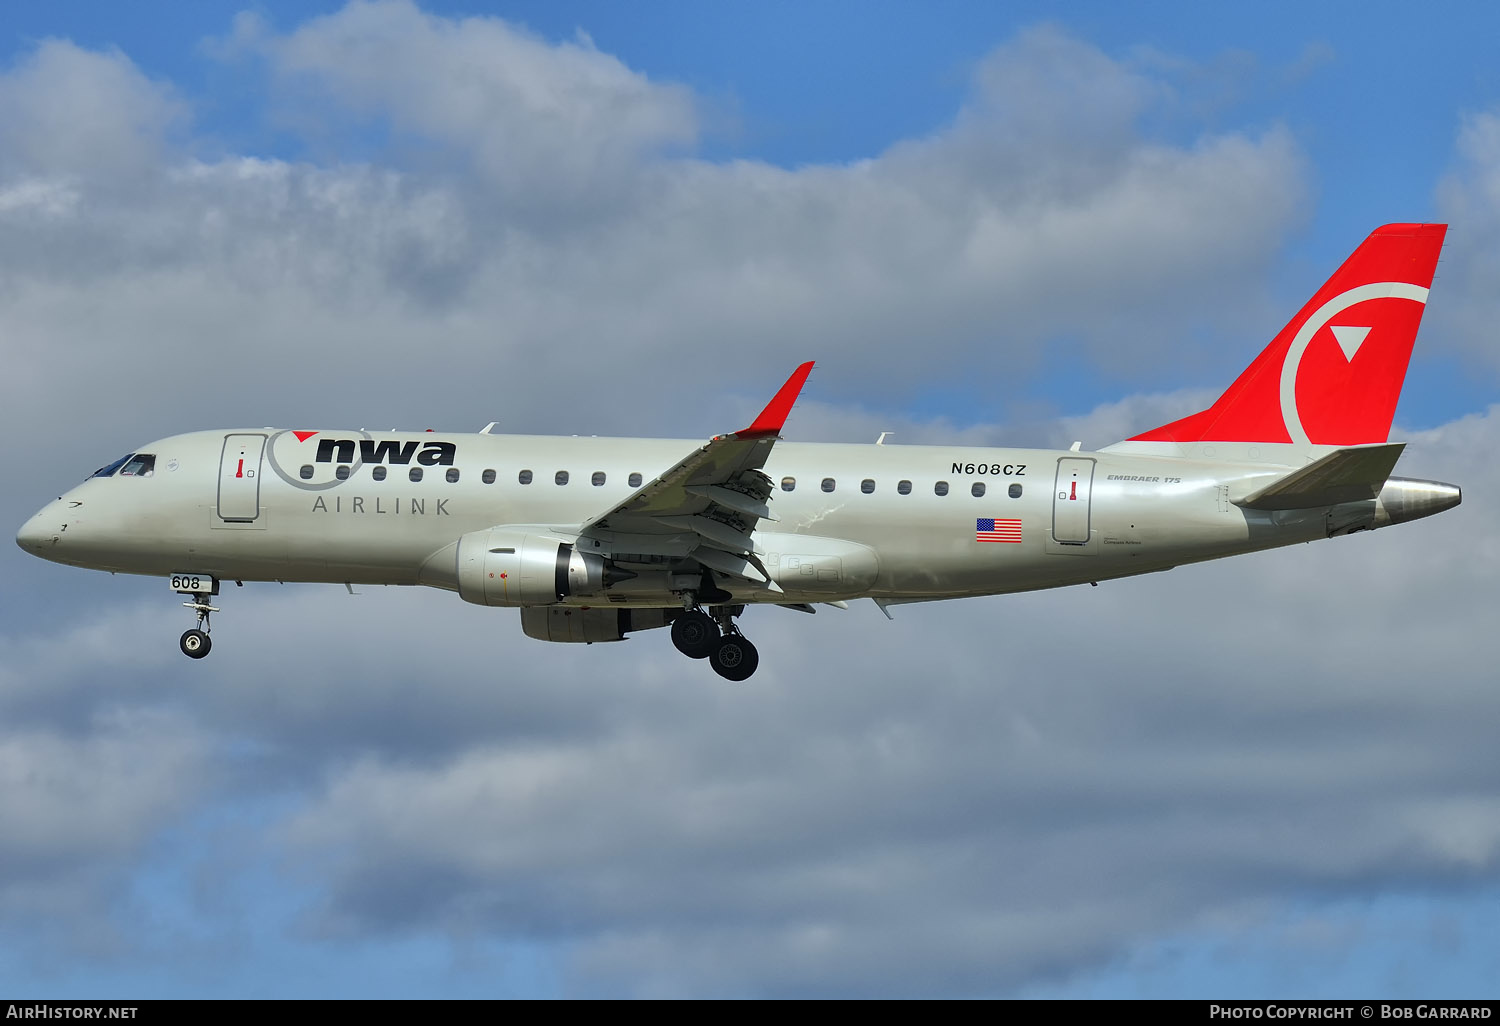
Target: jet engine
(561, 623)
(510, 567)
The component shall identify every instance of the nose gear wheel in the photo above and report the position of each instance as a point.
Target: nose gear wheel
(195, 642)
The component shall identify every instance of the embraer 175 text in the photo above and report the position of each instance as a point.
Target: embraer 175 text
(593, 539)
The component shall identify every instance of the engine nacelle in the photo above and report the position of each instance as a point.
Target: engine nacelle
(586, 626)
(507, 566)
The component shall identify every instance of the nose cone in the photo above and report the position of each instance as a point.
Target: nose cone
(38, 534)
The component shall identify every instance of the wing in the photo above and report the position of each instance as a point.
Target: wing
(707, 505)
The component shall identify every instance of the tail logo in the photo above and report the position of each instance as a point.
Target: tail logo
(1349, 338)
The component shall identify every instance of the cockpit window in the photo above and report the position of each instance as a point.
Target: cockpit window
(139, 465)
(109, 469)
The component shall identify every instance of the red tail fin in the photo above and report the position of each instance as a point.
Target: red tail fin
(1334, 373)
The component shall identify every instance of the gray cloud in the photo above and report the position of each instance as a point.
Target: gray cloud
(80, 808)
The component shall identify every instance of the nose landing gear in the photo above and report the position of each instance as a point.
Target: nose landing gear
(201, 588)
(195, 643)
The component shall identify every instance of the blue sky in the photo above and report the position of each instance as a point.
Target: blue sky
(992, 224)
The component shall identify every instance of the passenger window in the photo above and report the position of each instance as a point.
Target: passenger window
(828, 484)
(635, 480)
(524, 477)
(488, 477)
(452, 475)
(867, 485)
(904, 487)
(109, 469)
(598, 478)
(140, 465)
(415, 474)
(342, 472)
(788, 483)
(1015, 491)
(562, 477)
(941, 488)
(977, 490)
(378, 473)
(306, 472)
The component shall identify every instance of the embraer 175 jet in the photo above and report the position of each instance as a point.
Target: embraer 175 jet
(592, 539)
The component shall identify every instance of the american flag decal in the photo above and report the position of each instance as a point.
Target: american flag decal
(987, 530)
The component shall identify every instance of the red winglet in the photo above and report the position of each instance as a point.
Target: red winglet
(774, 415)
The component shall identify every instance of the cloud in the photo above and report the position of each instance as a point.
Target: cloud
(960, 254)
(533, 116)
(81, 114)
(1469, 197)
(80, 807)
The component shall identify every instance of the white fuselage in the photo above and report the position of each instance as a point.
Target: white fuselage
(1083, 516)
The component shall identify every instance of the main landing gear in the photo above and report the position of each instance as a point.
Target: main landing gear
(195, 643)
(717, 638)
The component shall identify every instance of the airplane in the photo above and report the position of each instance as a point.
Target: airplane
(593, 540)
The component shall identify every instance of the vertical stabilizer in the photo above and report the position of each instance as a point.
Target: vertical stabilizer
(1332, 376)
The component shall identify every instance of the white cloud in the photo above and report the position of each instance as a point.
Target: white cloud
(77, 113)
(957, 255)
(535, 119)
(1466, 307)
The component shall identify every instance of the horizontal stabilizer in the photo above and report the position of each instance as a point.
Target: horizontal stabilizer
(1348, 475)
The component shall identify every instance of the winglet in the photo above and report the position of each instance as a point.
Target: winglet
(774, 415)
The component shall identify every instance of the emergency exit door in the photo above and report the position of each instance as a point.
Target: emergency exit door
(239, 478)
(1070, 501)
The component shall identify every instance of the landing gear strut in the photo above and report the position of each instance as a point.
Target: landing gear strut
(717, 638)
(195, 643)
